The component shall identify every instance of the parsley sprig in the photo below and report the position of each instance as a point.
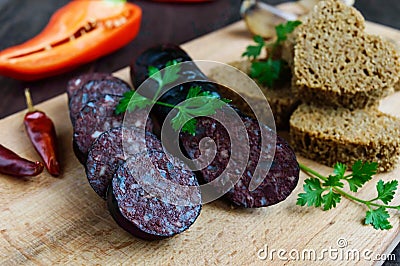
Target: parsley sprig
(198, 102)
(283, 30)
(268, 70)
(327, 192)
(254, 51)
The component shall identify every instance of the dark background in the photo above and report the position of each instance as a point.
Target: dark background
(162, 22)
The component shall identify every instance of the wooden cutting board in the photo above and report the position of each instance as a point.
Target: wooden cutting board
(47, 220)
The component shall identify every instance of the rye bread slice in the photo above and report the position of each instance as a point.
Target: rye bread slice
(329, 135)
(336, 63)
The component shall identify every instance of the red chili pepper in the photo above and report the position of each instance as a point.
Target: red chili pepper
(42, 134)
(12, 164)
(79, 32)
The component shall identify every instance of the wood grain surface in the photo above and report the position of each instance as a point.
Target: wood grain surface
(47, 220)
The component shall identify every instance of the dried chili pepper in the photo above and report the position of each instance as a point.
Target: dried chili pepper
(42, 134)
(12, 164)
(77, 33)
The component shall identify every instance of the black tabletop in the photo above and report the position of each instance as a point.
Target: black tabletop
(162, 22)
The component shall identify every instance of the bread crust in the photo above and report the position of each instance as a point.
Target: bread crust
(329, 135)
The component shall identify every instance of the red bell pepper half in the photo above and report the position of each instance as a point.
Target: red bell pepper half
(77, 33)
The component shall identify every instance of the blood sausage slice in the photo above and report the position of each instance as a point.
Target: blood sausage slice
(76, 83)
(92, 91)
(141, 213)
(99, 116)
(278, 183)
(107, 153)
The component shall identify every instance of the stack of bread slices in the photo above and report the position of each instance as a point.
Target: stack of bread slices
(340, 73)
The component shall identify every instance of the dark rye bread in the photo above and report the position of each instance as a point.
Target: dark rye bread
(329, 135)
(336, 63)
(397, 86)
(280, 99)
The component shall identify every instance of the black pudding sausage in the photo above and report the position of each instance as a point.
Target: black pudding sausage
(144, 215)
(158, 57)
(277, 184)
(108, 152)
(94, 90)
(283, 175)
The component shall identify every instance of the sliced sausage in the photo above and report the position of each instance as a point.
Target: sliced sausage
(276, 186)
(99, 116)
(158, 57)
(95, 117)
(284, 173)
(140, 212)
(107, 153)
(76, 83)
(92, 90)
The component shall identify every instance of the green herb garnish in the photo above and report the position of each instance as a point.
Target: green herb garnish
(169, 76)
(325, 191)
(283, 30)
(253, 51)
(268, 70)
(132, 101)
(198, 102)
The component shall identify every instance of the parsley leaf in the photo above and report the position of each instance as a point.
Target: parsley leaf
(364, 170)
(203, 105)
(339, 169)
(362, 173)
(266, 72)
(180, 119)
(171, 63)
(313, 193)
(194, 92)
(123, 103)
(331, 199)
(386, 190)
(138, 102)
(333, 181)
(131, 101)
(170, 74)
(326, 191)
(198, 103)
(190, 127)
(253, 51)
(154, 72)
(202, 102)
(282, 31)
(378, 218)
